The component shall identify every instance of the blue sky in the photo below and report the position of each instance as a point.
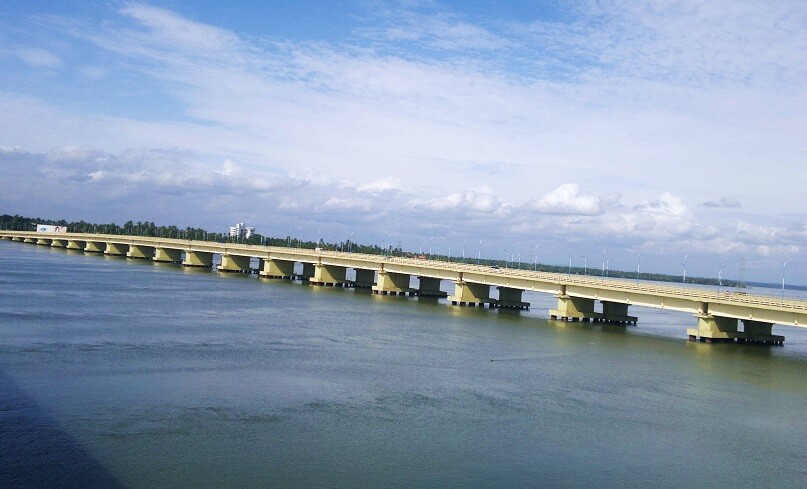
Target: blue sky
(654, 130)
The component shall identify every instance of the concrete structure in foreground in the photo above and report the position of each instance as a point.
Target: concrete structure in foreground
(717, 317)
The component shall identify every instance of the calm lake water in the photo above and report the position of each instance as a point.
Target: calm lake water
(126, 373)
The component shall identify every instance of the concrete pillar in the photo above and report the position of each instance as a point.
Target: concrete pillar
(714, 329)
(328, 275)
(430, 287)
(234, 264)
(95, 247)
(365, 279)
(116, 249)
(58, 243)
(471, 294)
(390, 283)
(17, 238)
(510, 298)
(29, 240)
(283, 269)
(574, 309)
(308, 271)
(43, 241)
(140, 252)
(759, 333)
(616, 312)
(167, 255)
(200, 259)
(76, 245)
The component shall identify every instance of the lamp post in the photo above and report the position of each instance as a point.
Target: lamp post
(535, 261)
(603, 262)
(638, 265)
(783, 279)
(585, 265)
(684, 264)
(720, 277)
(479, 256)
(506, 256)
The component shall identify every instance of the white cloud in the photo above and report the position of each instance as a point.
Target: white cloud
(567, 199)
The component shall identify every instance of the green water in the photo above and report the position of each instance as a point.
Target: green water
(125, 373)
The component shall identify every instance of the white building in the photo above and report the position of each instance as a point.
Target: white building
(241, 231)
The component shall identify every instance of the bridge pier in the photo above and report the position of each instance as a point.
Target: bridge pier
(308, 271)
(95, 247)
(58, 243)
(200, 259)
(617, 312)
(280, 269)
(390, 283)
(714, 329)
(759, 333)
(43, 241)
(430, 287)
(510, 298)
(365, 279)
(167, 255)
(328, 275)
(233, 264)
(140, 252)
(116, 249)
(76, 245)
(574, 309)
(471, 294)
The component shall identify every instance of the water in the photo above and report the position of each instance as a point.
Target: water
(124, 373)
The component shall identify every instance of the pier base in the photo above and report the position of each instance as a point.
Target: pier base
(328, 276)
(140, 252)
(714, 329)
(167, 255)
(116, 249)
(95, 247)
(756, 332)
(390, 283)
(430, 287)
(277, 269)
(234, 264)
(510, 298)
(365, 279)
(472, 295)
(616, 313)
(574, 309)
(198, 259)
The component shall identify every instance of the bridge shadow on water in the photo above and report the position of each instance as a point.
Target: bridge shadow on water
(35, 452)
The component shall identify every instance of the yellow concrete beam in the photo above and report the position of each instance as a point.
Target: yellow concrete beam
(58, 243)
(74, 244)
(95, 247)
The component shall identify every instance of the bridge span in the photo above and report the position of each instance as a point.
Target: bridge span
(718, 315)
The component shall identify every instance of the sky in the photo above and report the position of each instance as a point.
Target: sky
(656, 135)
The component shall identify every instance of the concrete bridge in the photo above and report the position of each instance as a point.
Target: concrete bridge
(718, 315)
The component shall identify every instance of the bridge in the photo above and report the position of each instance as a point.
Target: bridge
(718, 315)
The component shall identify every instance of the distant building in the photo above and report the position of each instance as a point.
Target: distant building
(241, 231)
